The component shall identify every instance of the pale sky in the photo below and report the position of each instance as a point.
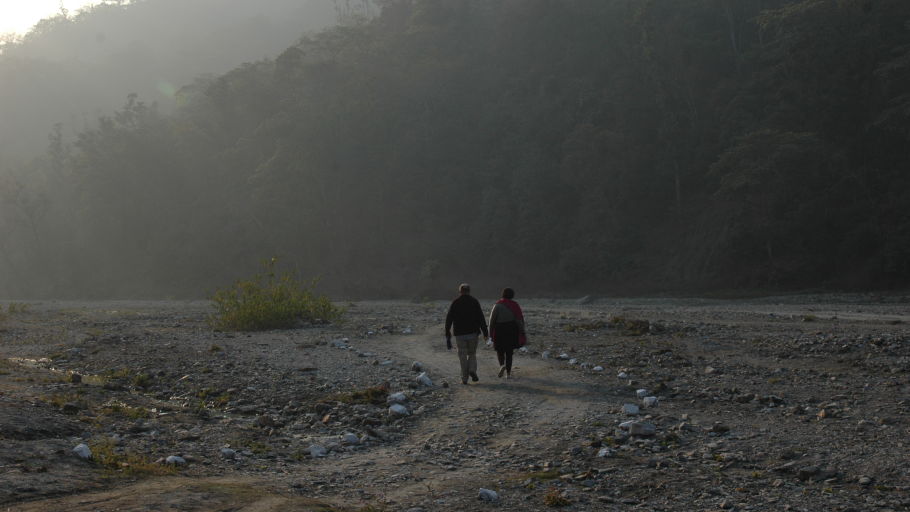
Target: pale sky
(21, 15)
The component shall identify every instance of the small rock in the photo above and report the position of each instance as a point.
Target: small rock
(488, 495)
(719, 428)
(622, 375)
(573, 361)
(598, 368)
(75, 378)
(317, 451)
(649, 401)
(397, 398)
(417, 366)
(807, 472)
(227, 453)
(642, 429)
(398, 410)
(83, 451)
(175, 460)
(864, 480)
(641, 393)
(424, 380)
(350, 438)
(605, 452)
(545, 354)
(563, 356)
(70, 408)
(630, 409)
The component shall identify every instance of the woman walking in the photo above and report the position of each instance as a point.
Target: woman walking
(507, 328)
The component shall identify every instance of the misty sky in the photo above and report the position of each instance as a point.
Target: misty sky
(18, 16)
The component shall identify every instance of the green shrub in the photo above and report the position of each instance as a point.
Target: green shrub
(270, 301)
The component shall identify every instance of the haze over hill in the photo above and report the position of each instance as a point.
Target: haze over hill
(73, 69)
(557, 146)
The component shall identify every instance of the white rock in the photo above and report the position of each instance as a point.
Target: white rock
(641, 393)
(424, 380)
(630, 409)
(228, 453)
(175, 460)
(397, 398)
(598, 368)
(387, 362)
(350, 438)
(545, 354)
(649, 401)
(573, 361)
(523, 350)
(562, 356)
(342, 343)
(407, 330)
(398, 410)
(605, 452)
(623, 375)
(488, 495)
(318, 451)
(83, 451)
(417, 366)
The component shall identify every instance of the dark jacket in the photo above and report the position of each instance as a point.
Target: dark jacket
(466, 317)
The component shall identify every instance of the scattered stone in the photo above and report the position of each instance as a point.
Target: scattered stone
(227, 453)
(317, 451)
(649, 401)
(598, 368)
(397, 398)
(605, 452)
(175, 460)
(350, 438)
(622, 375)
(573, 361)
(563, 356)
(864, 480)
(630, 409)
(424, 380)
(488, 495)
(398, 410)
(545, 354)
(417, 366)
(641, 393)
(83, 451)
(719, 428)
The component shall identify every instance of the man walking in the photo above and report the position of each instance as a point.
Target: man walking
(467, 320)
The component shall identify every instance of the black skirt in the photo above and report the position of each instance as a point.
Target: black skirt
(506, 336)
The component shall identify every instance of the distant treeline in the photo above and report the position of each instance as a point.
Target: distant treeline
(556, 146)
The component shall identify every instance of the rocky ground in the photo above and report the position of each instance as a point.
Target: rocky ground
(797, 403)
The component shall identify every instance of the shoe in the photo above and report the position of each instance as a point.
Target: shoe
(464, 381)
(502, 371)
(474, 377)
(509, 375)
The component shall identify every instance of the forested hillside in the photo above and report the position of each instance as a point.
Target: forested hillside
(557, 146)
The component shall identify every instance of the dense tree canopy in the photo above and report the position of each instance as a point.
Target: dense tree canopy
(557, 146)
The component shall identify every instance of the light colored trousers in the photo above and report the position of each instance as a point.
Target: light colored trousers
(467, 354)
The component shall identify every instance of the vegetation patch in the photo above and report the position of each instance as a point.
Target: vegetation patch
(555, 498)
(581, 327)
(551, 474)
(126, 411)
(630, 326)
(270, 300)
(122, 462)
(372, 395)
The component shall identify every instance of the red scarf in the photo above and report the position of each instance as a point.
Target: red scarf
(519, 317)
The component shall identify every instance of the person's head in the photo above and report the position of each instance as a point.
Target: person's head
(464, 289)
(508, 293)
